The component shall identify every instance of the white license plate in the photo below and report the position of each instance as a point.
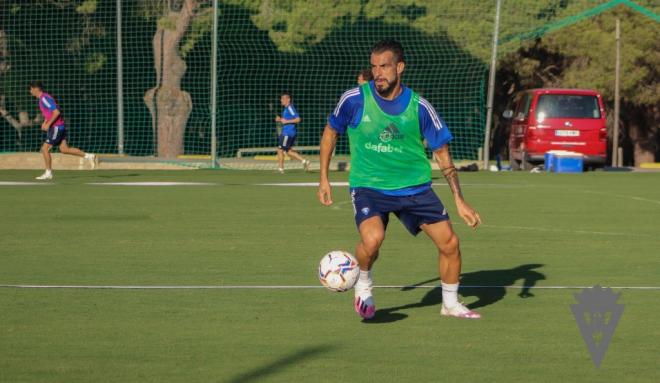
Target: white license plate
(567, 133)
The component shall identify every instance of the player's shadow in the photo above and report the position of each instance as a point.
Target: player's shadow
(262, 372)
(487, 286)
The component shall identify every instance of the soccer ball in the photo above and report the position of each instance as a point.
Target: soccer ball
(338, 271)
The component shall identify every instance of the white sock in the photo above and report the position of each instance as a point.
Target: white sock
(365, 277)
(363, 285)
(88, 156)
(449, 294)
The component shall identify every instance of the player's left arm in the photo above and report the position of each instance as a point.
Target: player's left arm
(295, 120)
(443, 158)
(437, 135)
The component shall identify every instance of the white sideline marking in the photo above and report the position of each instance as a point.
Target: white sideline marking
(153, 183)
(645, 200)
(12, 183)
(634, 198)
(485, 185)
(285, 184)
(315, 184)
(302, 184)
(291, 287)
(528, 228)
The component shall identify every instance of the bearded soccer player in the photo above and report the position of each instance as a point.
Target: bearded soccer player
(54, 126)
(386, 123)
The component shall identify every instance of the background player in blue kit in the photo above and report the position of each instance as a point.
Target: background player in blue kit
(287, 138)
(54, 125)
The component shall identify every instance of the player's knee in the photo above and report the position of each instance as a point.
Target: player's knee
(451, 246)
(372, 241)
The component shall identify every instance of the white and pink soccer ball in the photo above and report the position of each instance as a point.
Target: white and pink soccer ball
(338, 271)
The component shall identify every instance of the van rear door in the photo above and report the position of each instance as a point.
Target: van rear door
(520, 123)
(569, 121)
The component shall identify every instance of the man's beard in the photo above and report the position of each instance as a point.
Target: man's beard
(387, 90)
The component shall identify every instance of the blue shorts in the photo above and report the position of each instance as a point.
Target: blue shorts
(413, 211)
(285, 142)
(56, 134)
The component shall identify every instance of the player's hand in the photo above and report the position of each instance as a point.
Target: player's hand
(325, 193)
(469, 215)
(44, 126)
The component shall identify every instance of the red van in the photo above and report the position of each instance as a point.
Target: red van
(556, 119)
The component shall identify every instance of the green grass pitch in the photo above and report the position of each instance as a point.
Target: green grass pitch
(543, 229)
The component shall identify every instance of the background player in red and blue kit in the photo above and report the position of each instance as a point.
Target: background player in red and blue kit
(54, 125)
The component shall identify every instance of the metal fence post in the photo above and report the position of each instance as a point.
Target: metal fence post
(617, 70)
(491, 86)
(214, 80)
(120, 85)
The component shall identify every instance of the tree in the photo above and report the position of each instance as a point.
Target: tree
(582, 56)
(576, 55)
(297, 25)
(568, 55)
(21, 52)
(168, 104)
(590, 62)
(24, 120)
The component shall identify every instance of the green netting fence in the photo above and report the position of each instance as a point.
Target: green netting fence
(126, 81)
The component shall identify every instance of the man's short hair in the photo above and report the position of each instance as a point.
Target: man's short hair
(390, 45)
(37, 84)
(286, 93)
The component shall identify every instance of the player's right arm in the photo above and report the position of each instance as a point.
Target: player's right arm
(344, 114)
(328, 142)
(49, 104)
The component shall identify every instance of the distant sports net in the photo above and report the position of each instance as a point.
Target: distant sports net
(75, 55)
(447, 75)
(122, 104)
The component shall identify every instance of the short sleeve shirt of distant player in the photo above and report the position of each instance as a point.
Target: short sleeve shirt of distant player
(289, 113)
(47, 105)
(348, 114)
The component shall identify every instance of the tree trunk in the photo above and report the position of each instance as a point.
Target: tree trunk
(643, 132)
(643, 152)
(170, 106)
(23, 120)
(4, 52)
(642, 155)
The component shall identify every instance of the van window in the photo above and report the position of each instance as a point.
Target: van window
(522, 111)
(567, 106)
